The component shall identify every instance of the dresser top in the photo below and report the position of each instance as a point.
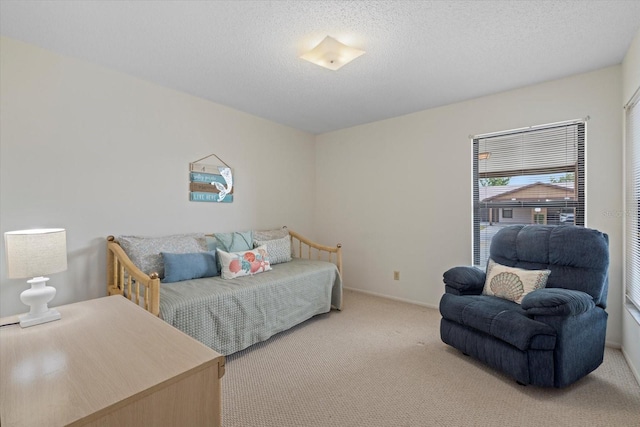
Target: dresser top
(102, 354)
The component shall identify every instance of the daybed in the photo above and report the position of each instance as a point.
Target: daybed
(548, 335)
(227, 315)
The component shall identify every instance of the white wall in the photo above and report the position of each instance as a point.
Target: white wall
(630, 326)
(99, 152)
(397, 193)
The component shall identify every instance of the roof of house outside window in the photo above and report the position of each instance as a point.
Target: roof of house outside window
(538, 191)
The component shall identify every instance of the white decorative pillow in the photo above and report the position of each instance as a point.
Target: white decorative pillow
(279, 249)
(513, 283)
(277, 233)
(237, 264)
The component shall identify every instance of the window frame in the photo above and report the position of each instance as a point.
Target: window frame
(578, 204)
(632, 206)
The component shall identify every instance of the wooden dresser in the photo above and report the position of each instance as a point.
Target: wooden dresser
(107, 362)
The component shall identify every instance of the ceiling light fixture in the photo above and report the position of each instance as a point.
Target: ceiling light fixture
(332, 54)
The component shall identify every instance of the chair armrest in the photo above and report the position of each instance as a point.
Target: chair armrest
(557, 302)
(464, 280)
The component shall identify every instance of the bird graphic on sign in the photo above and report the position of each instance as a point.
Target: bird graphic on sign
(228, 179)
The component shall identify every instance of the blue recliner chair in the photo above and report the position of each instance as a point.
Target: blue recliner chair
(556, 335)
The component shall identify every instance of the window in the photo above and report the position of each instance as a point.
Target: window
(632, 201)
(533, 176)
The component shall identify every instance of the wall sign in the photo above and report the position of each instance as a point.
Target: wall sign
(210, 183)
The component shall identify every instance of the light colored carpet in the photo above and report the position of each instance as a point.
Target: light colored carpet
(381, 363)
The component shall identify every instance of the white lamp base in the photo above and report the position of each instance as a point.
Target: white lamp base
(37, 297)
(28, 319)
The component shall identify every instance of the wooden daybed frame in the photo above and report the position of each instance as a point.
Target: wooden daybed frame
(125, 278)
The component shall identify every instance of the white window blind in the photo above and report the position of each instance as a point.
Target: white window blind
(632, 211)
(529, 176)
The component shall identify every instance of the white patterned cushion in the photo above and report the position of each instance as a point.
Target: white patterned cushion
(277, 233)
(279, 249)
(237, 264)
(144, 252)
(513, 283)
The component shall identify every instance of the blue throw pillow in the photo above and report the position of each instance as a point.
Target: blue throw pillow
(178, 267)
(212, 244)
(235, 241)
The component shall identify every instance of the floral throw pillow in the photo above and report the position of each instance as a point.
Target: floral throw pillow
(246, 263)
(513, 283)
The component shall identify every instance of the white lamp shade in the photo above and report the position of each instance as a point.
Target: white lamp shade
(33, 253)
(332, 54)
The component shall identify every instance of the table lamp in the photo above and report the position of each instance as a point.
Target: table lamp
(35, 253)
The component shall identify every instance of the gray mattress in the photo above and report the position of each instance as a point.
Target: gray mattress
(230, 315)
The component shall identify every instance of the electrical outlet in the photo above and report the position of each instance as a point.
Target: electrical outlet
(396, 275)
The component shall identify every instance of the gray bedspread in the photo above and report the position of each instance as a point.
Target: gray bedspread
(230, 315)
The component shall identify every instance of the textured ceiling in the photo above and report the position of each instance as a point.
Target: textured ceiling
(420, 54)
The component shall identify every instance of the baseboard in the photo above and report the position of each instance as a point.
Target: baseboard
(408, 301)
(615, 345)
(635, 373)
